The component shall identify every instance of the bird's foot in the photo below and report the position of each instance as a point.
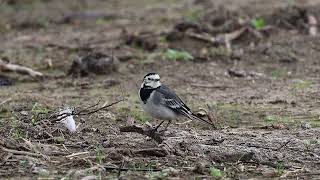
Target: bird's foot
(157, 130)
(154, 130)
(162, 131)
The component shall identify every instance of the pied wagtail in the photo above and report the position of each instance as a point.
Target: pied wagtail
(162, 103)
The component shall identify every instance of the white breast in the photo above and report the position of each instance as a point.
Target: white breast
(158, 111)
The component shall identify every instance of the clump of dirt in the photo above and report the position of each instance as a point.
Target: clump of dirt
(96, 63)
(293, 18)
(144, 40)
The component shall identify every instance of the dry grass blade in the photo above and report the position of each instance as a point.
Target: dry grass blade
(77, 154)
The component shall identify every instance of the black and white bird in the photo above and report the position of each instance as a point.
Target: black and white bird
(162, 103)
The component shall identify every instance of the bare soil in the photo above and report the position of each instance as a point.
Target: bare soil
(262, 91)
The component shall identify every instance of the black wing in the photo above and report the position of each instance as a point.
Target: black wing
(172, 100)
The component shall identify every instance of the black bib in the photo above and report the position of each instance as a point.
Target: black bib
(145, 94)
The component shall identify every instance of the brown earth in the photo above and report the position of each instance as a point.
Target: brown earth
(262, 92)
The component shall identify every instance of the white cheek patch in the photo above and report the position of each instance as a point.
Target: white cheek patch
(154, 76)
(154, 84)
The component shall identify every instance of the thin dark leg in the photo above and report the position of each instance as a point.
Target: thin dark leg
(155, 129)
(166, 127)
(169, 122)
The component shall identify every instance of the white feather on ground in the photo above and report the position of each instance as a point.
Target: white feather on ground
(68, 121)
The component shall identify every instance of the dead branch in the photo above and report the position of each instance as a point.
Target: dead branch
(99, 109)
(224, 39)
(90, 107)
(144, 131)
(4, 66)
(206, 37)
(235, 34)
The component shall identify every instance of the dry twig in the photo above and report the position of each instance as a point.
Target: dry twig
(219, 39)
(4, 66)
(57, 116)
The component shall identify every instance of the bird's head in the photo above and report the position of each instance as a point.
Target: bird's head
(151, 81)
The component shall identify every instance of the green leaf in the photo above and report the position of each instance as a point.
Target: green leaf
(258, 23)
(175, 55)
(214, 172)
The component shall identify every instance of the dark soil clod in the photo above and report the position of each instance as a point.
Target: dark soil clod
(94, 63)
(5, 81)
(144, 40)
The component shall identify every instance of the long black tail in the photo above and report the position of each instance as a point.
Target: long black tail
(194, 116)
(187, 113)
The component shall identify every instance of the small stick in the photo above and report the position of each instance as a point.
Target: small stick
(92, 106)
(77, 154)
(19, 69)
(103, 107)
(64, 115)
(219, 39)
(285, 144)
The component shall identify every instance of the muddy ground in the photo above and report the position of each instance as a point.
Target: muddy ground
(260, 88)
